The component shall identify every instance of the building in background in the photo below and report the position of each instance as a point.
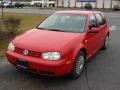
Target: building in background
(96, 4)
(71, 3)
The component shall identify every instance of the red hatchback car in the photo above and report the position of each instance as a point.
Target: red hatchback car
(61, 44)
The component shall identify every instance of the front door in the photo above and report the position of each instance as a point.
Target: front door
(93, 39)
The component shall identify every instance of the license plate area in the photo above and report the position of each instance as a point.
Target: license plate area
(22, 64)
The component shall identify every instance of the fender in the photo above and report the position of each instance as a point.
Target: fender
(77, 50)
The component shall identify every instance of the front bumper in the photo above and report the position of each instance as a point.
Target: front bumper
(41, 66)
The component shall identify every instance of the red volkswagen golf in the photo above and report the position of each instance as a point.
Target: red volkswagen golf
(61, 44)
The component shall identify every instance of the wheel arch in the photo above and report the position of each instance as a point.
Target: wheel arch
(79, 50)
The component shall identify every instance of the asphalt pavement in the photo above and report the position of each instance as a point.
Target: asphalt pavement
(103, 71)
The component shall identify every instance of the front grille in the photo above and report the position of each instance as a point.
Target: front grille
(19, 50)
(30, 53)
(34, 54)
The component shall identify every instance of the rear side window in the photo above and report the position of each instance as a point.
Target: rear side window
(100, 19)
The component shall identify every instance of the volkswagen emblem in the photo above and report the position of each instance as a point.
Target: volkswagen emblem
(25, 52)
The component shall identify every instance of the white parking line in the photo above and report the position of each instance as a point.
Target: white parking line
(114, 28)
(112, 14)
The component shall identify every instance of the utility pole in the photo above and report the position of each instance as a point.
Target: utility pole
(111, 4)
(68, 3)
(81, 4)
(119, 3)
(11, 2)
(56, 3)
(62, 3)
(1, 10)
(1, 18)
(96, 4)
(75, 3)
(103, 4)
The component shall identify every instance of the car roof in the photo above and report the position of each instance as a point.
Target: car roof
(83, 12)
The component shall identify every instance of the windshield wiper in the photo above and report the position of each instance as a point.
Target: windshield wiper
(50, 29)
(41, 28)
(56, 30)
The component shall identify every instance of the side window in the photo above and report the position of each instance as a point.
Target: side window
(100, 19)
(93, 21)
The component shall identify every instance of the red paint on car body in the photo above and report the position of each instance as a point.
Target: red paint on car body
(69, 44)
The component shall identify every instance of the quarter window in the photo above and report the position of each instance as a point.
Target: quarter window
(100, 19)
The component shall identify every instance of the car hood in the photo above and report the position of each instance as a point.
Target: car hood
(43, 40)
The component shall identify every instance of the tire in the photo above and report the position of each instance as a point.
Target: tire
(78, 65)
(106, 43)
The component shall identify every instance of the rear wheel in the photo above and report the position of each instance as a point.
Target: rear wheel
(106, 43)
(78, 65)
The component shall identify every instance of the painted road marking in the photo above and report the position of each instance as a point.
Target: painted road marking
(114, 28)
(112, 14)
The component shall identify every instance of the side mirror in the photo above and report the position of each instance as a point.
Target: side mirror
(93, 25)
(94, 30)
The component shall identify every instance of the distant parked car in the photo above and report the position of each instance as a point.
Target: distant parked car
(5, 4)
(18, 5)
(10, 6)
(88, 6)
(116, 8)
(27, 4)
(52, 5)
(38, 4)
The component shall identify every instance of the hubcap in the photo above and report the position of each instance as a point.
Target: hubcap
(80, 64)
(106, 41)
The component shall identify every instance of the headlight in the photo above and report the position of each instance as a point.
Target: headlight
(11, 47)
(51, 55)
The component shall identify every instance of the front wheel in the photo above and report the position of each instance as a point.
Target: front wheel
(78, 65)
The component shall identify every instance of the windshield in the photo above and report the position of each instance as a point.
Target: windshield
(64, 23)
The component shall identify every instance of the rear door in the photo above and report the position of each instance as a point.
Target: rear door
(103, 27)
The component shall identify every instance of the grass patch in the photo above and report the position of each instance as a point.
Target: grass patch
(29, 21)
